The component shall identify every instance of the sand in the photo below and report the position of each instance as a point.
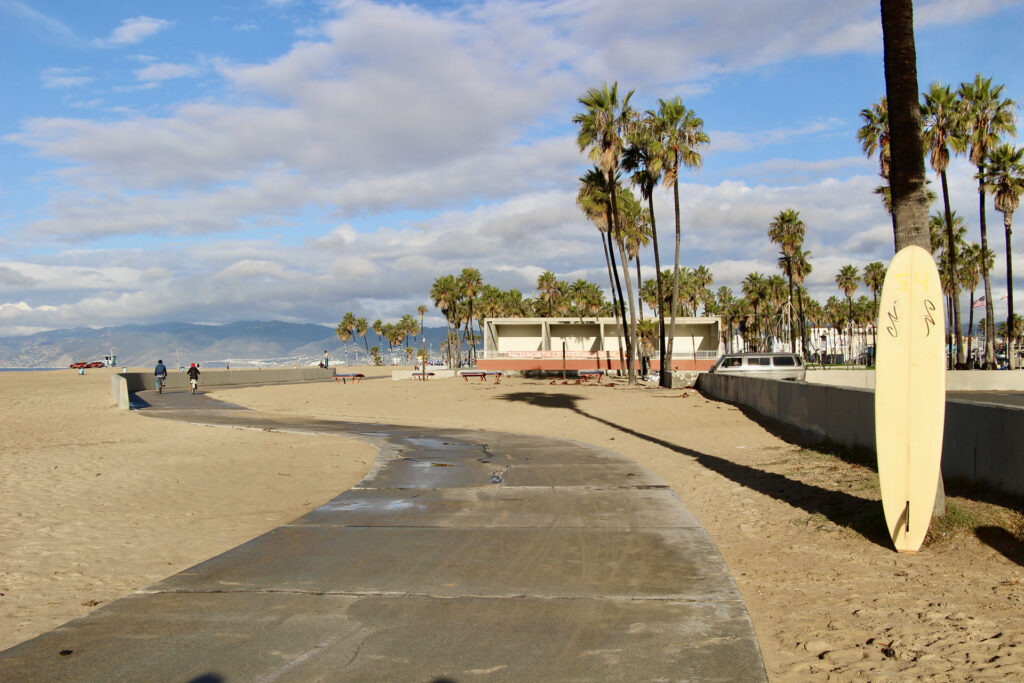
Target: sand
(801, 531)
(98, 502)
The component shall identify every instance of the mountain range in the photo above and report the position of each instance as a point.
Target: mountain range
(242, 344)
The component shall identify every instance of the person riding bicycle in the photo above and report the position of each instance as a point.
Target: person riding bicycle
(193, 374)
(160, 371)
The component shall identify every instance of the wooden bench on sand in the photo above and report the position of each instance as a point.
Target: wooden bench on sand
(586, 375)
(354, 376)
(424, 375)
(482, 375)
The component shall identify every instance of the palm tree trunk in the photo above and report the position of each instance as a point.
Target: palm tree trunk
(803, 326)
(639, 287)
(615, 308)
(675, 273)
(792, 323)
(970, 328)
(631, 349)
(631, 337)
(665, 376)
(990, 318)
(1007, 225)
(906, 167)
(954, 285)
(619, 302)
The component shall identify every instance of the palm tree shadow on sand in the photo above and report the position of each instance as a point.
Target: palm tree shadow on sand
(852, 512)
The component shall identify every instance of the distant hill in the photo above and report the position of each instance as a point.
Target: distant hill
(247, 343)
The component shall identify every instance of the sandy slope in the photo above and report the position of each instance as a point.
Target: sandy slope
(100, 497)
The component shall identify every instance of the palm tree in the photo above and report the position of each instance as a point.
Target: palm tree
(600, 133)
(470, 282)
(362, 327)
(847, 279)
(874, 278)
(422, 310)
(643, 159)
(547, 289)
(801, 268)
(444, 294)
(906, 164)
(988, 116)
(874, 134)
(1003, 176)
(943, 122)
(970, 276)
(681, 133)
(787, 231)
(755, 289)
(593, 198)
(349, 324)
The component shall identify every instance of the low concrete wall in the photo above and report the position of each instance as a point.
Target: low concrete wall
(956, 380)
(981, 443)
(125, 383)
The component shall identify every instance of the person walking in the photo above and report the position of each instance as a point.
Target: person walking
(160, 372)
(193, 377)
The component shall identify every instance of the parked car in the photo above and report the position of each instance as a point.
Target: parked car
(763, 365)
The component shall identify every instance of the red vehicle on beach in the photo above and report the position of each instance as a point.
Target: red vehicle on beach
(84, 364)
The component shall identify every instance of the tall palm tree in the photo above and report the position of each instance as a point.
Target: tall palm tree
(988, 117)
(787, 231)
(422, 310)
(874, 134)
(682, 136)
(600, 133)
(801, 268)
(755, 289)
(943, 124)
(547, 289)
(643, 159)
(847, 279)
(874, 278)
(594, 200)
(349, 324)
(444, 294)
(1003, 176)
(970, 276)
(906, 164)
(362, 327)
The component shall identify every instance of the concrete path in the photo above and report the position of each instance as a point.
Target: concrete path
(461, 556)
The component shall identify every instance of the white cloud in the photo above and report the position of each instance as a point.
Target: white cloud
(166, 70)
(59, 77)
(132, 31)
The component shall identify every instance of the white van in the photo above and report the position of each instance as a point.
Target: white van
(763, 365)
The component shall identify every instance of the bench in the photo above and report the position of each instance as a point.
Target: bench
(354, 376)
(482, 375)
(586, 375)
(424, 375)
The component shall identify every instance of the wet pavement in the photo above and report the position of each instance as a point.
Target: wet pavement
(461, 555)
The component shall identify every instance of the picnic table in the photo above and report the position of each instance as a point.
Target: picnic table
(482, 375)
(354, 376)
(586, 375)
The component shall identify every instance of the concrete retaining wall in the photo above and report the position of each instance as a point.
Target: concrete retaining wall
(956, 380)
(122, 384)
(981, 443)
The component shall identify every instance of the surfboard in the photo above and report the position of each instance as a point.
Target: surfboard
(910, 395)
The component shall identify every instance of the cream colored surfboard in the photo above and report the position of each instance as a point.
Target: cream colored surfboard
(910, 395)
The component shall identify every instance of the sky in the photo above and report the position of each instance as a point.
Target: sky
(206, 161)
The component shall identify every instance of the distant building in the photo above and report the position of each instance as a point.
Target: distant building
(590, 343)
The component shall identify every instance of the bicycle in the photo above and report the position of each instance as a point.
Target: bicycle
(160, 381)
(195, 385)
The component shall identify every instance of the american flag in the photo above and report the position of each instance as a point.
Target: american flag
(980, 302)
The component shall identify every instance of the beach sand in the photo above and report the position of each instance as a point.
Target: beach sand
(801, 531)
(97, 502)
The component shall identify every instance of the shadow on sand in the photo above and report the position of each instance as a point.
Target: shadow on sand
(852, 512)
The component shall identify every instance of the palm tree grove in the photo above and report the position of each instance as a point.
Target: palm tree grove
(636, 153)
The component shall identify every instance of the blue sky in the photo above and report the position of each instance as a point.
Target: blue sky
(294, 160)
